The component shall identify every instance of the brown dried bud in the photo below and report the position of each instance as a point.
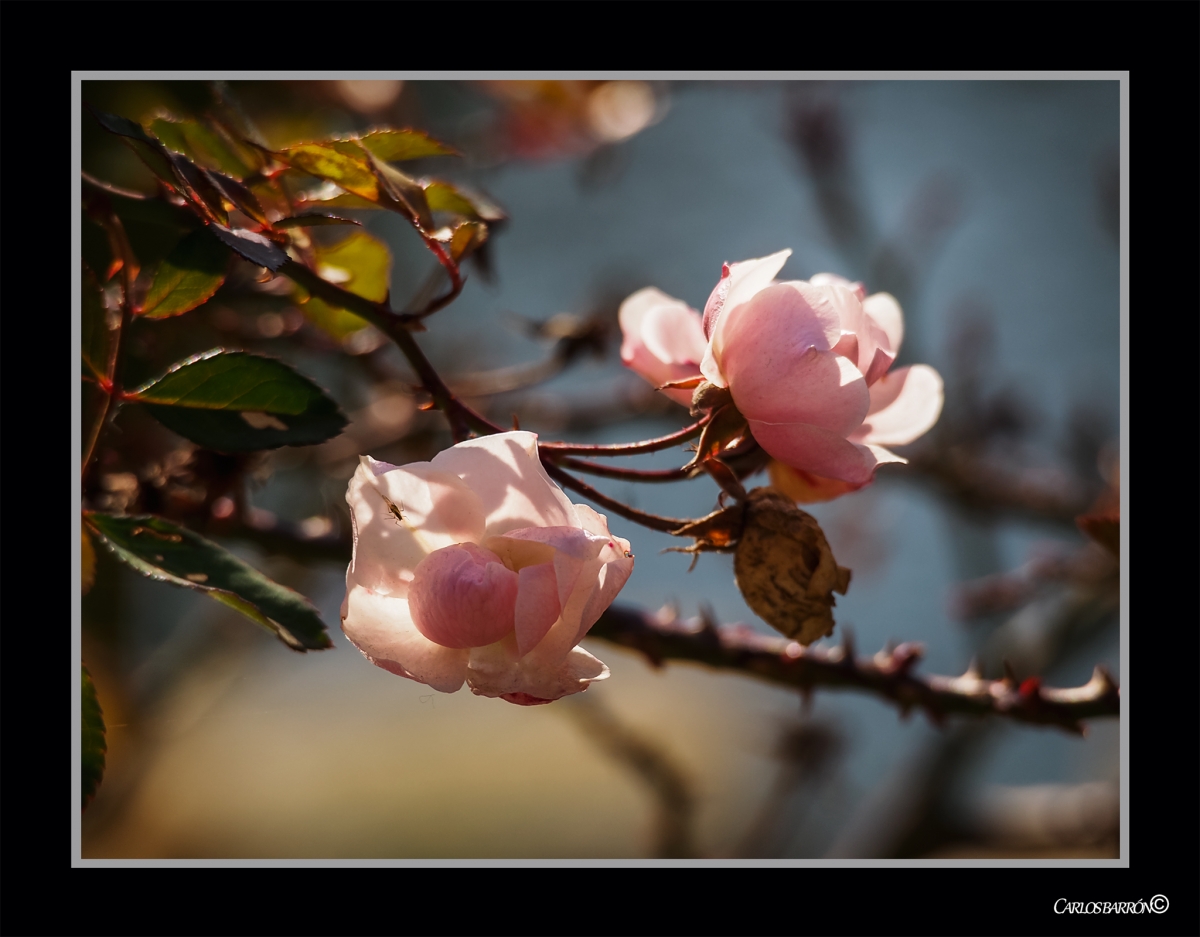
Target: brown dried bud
(785, 569)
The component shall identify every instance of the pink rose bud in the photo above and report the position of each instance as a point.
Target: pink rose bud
(809, 366)
(476, 568)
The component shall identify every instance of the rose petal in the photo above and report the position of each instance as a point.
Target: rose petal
(537, 605)
(590, 569)
(832, 279)
(905, 404)
(570, 549)
(805, 487)
(779, 379)
(491, 672)
(885, 312)
(672, 334)
(513, 487)
(463, 596)
(878, 367)
(436, 509)
(662, 339)
(613, 576)
(793, 315)
(382, 628)
(738, 283)
(819, 451)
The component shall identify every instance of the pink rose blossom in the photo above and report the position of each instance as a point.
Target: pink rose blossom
(808, 364)
(476, 568)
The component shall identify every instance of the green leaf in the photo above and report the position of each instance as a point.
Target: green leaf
(91, 740)
(325, 162)
(442, 196)
(162, 550)
(467, 238)
(233, 401)
(204, 144)
(397, 145)
(237, 195)
(188, 276)
(254, 247)
(96, 335)
(149, 150)
(197, 187)
(405, 192)
(122, 126)
(313, 219)
(329, 195)
(360, 264)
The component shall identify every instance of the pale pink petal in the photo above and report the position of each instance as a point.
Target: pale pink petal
(787, 383)
(492, 672)
(432, 509)
(816, 450)
(382, 628)
(463, 596)
(860, 337)
(578, 556)
(612, 579)
(882, 456)
(672, 334)
(832, 279)
(793, 316)
(878, 367)
(591, 521)
(885, 312)
(738, 283)
(662, 340)
(513, 487)
(905, 404)
(847, 347)
(711, 369)
(656, 373)
(537, 605)
(590, 569)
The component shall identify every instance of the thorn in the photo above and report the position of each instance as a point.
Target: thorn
(1102, 675)
(708, 619)
(847, 646)
(1010, 675)
(906, 655)
(516, 422)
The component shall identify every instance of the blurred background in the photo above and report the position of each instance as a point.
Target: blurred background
(989, 208)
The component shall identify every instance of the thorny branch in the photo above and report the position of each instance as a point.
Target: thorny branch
(738, 649)
(126, 264)
(887, 674)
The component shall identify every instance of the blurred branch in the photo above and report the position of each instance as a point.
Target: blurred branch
(575, 337)
(667, 782)
(980, 484)
(888, 674)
